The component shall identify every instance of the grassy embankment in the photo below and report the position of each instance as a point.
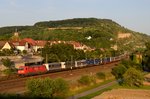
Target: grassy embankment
(116, 86)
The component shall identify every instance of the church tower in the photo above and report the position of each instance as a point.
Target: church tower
(15, 37)
(16, 33)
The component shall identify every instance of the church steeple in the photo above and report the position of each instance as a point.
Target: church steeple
(16, 33)
(15, 37)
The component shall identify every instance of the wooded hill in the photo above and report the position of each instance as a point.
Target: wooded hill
(97, 33)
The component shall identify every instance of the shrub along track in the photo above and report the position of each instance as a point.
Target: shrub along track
(18, 85)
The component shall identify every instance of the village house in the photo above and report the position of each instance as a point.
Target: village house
(21, 45)
(79, 46)
(39, 44)
(2, 43)
(6, 45)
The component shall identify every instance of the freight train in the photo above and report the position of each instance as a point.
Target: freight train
(59, 66)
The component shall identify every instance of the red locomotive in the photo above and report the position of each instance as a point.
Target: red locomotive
(31, 70)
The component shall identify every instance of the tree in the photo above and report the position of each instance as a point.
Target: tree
(118, 72)
(131, 63)
(7, 63)
(61, 52)
(60, 87)
(133, 77)
(146, 58)
(79, 54)
(35, 87)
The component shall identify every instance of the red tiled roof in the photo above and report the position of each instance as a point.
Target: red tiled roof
(18, 43)
(30, 41)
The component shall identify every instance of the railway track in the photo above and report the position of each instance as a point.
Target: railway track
(18, 84)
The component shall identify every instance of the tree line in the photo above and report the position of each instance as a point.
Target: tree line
(66, 52)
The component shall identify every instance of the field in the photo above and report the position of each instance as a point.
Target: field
(125, 94)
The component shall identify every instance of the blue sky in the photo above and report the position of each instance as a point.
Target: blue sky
(132, 14)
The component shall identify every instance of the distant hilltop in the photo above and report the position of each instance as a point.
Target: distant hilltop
(76, 22)
(93, 32)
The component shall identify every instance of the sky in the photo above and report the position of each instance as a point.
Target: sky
(132, 14)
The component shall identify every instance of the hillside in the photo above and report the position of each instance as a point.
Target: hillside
(97, 33)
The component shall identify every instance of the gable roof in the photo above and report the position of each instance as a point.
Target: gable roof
(8, 45)
(11, 44)
(2, 43)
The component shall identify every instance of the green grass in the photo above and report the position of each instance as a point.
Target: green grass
(116, 86)
(133, 87)
(89, 87)
(95, 94)
(98, 92)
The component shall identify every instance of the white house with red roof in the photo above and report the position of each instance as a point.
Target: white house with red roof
(21, 45)
(30, 41)
(31, 44)
(79, 46)
(76, 45)
(39, 44)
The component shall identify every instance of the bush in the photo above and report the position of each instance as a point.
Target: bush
(85, 80)
(60, 87)
(8, 71)
(7, 63)
(47, 87)
(101, 75)
(24, 52)
(35, 87)
(133, 77)
(119, 71)
(7, 51)
(93, 79)
(2, 53)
